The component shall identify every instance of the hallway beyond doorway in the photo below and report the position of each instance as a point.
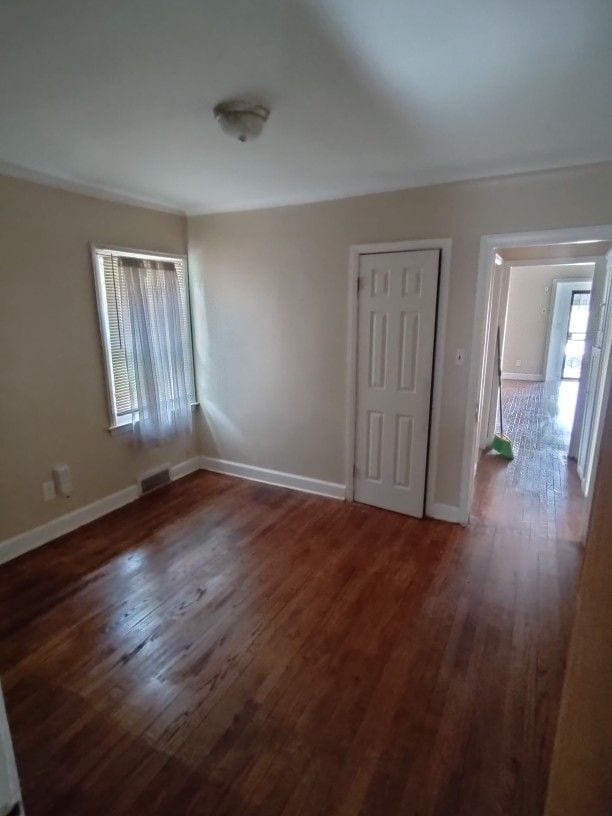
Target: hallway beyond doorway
(539, 415)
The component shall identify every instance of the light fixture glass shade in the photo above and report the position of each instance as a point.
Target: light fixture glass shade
(241, 120)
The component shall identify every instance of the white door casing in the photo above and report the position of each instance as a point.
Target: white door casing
(395, 352)
(9, 781)
(597, 384)
(500, 288)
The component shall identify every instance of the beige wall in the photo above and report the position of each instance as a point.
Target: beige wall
(581, 773)
(528, 314)
(53, 402)
(271, 308)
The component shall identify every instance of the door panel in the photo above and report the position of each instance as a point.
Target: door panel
(396, 333)
(374, 461)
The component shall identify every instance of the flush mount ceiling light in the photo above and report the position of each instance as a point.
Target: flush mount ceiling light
(241, 120)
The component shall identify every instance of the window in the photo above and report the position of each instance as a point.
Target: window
(122, 376)
(576, 334)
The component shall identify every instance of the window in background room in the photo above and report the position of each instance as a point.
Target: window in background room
(143, 303)
(576, 334)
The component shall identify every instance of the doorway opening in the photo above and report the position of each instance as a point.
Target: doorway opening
(542, 314)
(550, 301)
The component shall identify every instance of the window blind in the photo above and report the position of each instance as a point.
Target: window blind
(121, 367)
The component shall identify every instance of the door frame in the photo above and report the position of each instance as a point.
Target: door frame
(489, 245)
(10, 791)
(498, 313)
(432, 508)
(602, 388)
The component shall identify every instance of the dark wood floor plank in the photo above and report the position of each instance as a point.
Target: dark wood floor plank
(232, 648)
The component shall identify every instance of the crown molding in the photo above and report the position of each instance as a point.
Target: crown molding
(72, 186)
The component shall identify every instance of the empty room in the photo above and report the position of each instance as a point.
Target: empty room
(306, 439)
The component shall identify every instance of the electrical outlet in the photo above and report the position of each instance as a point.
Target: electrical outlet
(48, 489)
(518, 363)
(62, 478)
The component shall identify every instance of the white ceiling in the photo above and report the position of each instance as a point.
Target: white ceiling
(115, 96)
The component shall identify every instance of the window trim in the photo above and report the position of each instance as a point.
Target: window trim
(123, 424)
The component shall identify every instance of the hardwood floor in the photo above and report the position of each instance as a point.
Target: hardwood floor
(539, 486)
(224, 647)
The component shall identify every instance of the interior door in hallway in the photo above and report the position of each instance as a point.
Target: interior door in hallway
(395, 350)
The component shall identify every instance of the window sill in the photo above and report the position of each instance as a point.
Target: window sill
(125, 427)
(120, 430)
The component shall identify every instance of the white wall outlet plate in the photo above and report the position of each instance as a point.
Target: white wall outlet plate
(48, 489)
(62, 478)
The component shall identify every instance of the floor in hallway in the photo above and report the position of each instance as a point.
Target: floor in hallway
(541, 485)
(223, 647)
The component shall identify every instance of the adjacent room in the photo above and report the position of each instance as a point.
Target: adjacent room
(543, 382)
(542, 347)
(306, 349)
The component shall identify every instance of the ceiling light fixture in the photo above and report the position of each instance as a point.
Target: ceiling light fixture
(241, 120)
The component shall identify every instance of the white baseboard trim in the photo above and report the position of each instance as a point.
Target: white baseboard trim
(274, 477)
(31, 539)
(446, 512)
(185, 468)
(516, 375)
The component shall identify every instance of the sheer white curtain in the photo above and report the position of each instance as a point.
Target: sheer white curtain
(152, 335)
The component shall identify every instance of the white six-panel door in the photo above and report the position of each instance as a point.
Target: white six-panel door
(395, 352)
